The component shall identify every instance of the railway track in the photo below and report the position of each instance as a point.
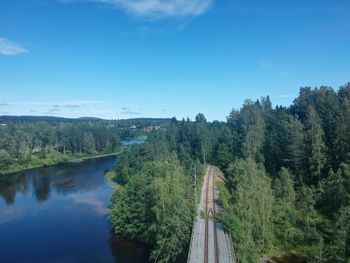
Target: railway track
(210, 243)
(210, 210)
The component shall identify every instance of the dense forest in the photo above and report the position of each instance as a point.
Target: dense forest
(30, 141)
(158, 201)
(29, 144)
(288, 171)
(289, 176)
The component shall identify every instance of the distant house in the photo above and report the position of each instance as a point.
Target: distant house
(151, 128)
(132, 127)
(3, 124)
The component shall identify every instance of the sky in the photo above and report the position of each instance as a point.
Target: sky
(119, 59)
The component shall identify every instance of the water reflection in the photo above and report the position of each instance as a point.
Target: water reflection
(59, 214)
(41, 184)
(128, 251)
(10, 185)
(44, 180)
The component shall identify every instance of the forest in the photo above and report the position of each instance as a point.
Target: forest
(158, 200)
(31, 144)
(32, 141)
(288, 172)
(289, 176)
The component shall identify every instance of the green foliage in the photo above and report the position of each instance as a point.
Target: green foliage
(173, 211)
(248, 130)
(339, 250)
(286, 216)
(224, 156)
(288, 173)
(284, 186)
(315, 147)
(29, 144)
(342, 129)
(5, 158)
(299, 147)
(156, 206)
(250, 218)
(200, 118)
(130, 212)
(282, 194)
(335, 191)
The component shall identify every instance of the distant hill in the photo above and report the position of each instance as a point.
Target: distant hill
(21, 119)
(123, 123)
(143, 122)
(50, 119)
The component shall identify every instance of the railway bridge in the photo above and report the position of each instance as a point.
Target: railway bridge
(210, 242)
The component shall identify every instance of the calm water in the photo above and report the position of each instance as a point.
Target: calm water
(131, 141)
(59, 214)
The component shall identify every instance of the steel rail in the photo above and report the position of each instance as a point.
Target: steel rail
(206, 217)
(216, 247)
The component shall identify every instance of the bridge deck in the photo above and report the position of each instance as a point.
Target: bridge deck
(222, 252)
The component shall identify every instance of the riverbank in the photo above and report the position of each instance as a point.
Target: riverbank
(109, 176)
(53, 160)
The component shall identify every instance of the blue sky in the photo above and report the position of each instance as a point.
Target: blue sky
(155, 58)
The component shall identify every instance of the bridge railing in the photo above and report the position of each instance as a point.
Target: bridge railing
(190, 249)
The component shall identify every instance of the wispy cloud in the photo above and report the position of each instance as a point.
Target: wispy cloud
(10, 48)
(128, 111)
(66, 104)
(54, 109)
(77, 104)
(158, 8)
(91, 201)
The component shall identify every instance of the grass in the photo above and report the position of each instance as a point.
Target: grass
(109, 176)
(50, 159)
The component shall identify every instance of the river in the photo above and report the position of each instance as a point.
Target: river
(59, 214)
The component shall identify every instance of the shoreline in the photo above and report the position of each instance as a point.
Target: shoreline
(74, 160)
(109, 177)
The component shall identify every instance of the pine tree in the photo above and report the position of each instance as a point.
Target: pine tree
(315, 147)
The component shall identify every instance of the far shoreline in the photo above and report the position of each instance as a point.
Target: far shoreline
(74, 160)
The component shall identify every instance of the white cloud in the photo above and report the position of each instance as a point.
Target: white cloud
(66, 104)
(10, 48)
(129, 112)
(159, 8)
(91, 200)
(78, 103)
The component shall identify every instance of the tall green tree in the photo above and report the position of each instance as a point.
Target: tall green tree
(252, 203)
(315, 147)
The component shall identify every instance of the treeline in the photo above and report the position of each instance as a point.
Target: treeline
(30, 143)
(143, 122)
(157, 202)
(288, 173)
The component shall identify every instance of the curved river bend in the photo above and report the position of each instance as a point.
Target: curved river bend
(59, 215)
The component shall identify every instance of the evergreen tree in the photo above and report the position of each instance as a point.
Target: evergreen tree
(252, 207)
(315, 147)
